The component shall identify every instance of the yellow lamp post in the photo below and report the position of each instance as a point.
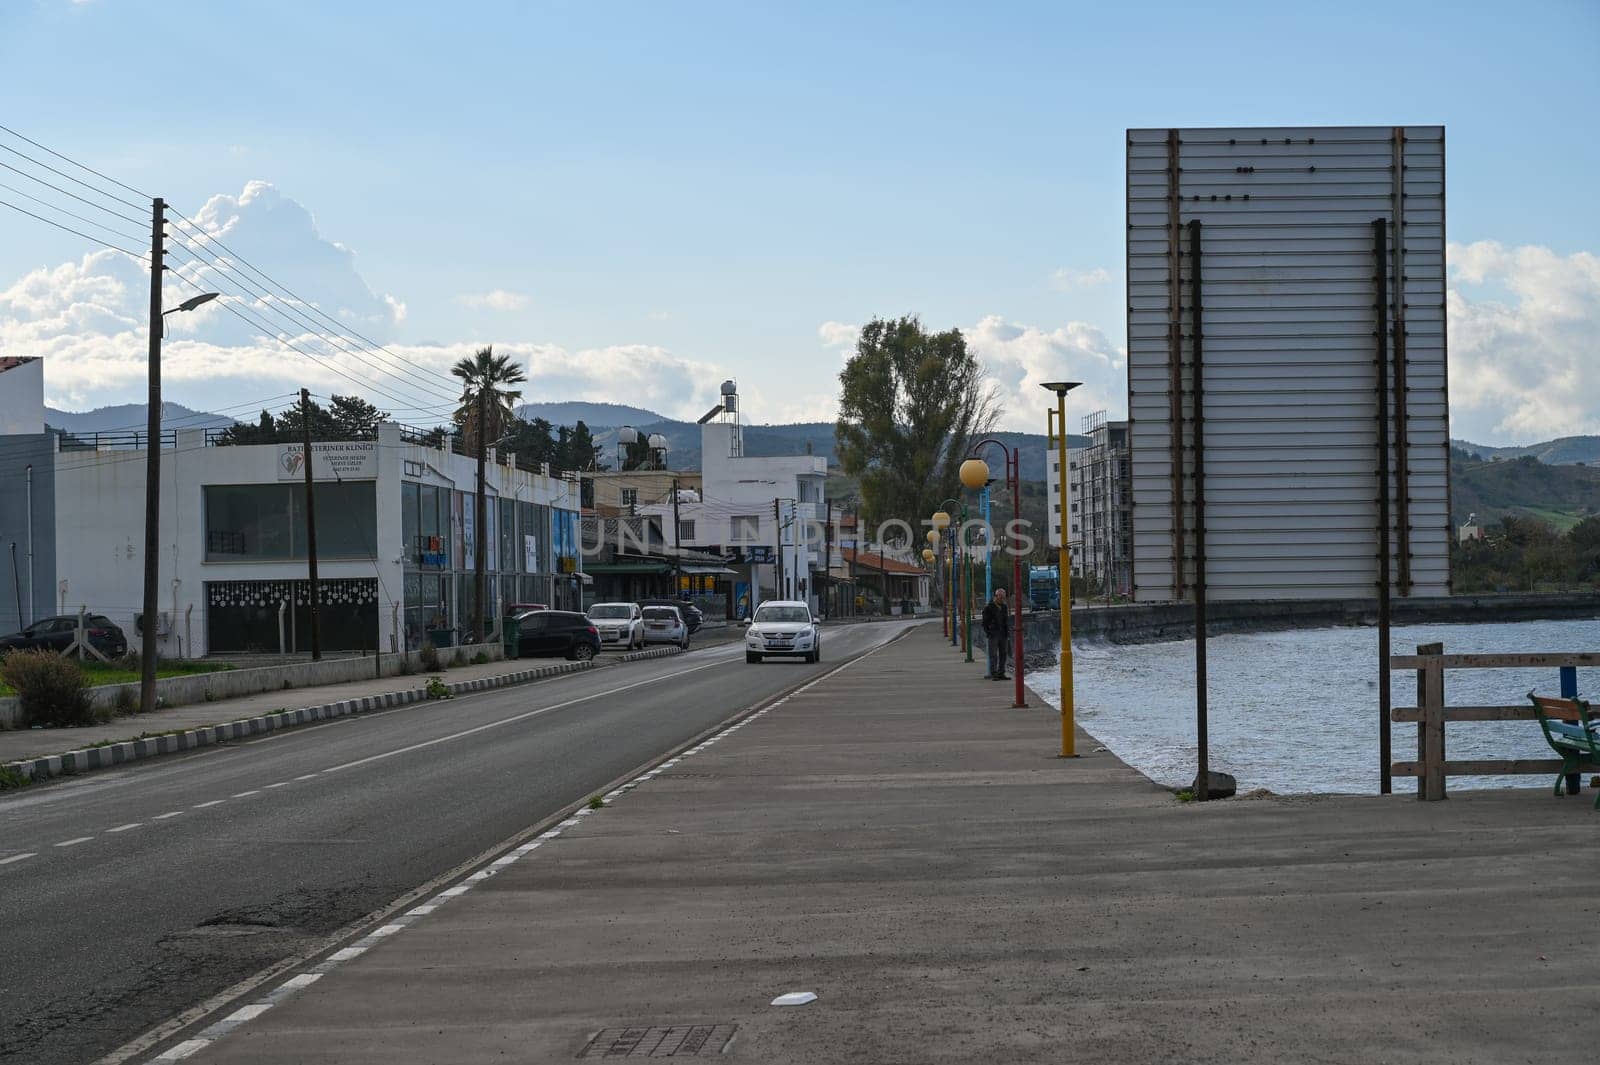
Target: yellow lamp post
(941, 521)
(1057, 426)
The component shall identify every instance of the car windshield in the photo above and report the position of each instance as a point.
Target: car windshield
(611, 610)
(661, 613)
(771, 614)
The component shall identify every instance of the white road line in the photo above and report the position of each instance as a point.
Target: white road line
(295, 983)
(248, 1013)
(184, 1049)
(18, 857)
(124, 828)
(74, 842)
(242, 794)
(517, 718)
(279, 784)
(305, 776)
(169, 813)
(347, 953)
(213, 802)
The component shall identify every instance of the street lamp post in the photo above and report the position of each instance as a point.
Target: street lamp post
(1064, 563)
(975, 474)
(941, 521)
(930, 554)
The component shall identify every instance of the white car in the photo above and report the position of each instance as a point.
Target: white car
(620, 624)
(783, 627)
(664, 624)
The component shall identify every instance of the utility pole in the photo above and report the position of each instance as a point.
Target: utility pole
(152, 467)
(855, 552)
(777, 535)
(677, 544)
(827, 562)
(480, 541)
(311, 528)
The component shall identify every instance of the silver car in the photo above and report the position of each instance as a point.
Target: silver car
(620, 624)
(664, 624)
(783, 627)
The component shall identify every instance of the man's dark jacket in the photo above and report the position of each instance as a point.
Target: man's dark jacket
(996, 620)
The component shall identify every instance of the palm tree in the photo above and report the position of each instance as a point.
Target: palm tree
(485, 412)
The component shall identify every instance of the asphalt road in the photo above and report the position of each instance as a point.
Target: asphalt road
(129, 895)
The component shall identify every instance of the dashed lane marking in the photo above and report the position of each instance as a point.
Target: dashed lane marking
(169, 813)
(74, 842)
(18, 857)
(213, 802)
(243, 794)
(124, 828)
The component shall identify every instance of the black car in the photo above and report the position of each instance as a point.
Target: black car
(546, 633)
(55, 634)
(691, 613)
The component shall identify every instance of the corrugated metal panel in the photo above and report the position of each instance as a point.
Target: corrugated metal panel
(1290, 358)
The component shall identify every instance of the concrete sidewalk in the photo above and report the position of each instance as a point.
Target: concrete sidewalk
(897, 841)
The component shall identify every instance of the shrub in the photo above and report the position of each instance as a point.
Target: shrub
(438, 689)
(460, 658)
(430, 659)
(52, 689)
(480, 658)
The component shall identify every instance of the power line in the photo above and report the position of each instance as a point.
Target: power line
(75, 232)
(69, 177)
(74, 195)
(75, 163)
(62, 210)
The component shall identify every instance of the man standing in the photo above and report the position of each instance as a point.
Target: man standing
(997, 634)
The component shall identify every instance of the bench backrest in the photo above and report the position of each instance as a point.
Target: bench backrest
(1557, 718)
(1572, 711)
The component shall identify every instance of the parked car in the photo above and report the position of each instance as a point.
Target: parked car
(545, 633)
(691, 613)
(666, 624)
(55, 634)
(619, 623)
(523, 608)
(783, 627)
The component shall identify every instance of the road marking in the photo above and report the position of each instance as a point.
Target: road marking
(347, 953)
(74, 842)
(242, 794)
(248, 1013)
(184, 1049)
(18, 857)
(213, 802)
(279, 784)
(295, 983)
(305, 776)
(520, 717)
(124, 828)
(169, 813)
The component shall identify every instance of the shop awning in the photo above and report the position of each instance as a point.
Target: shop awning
(603, 569)
(700, 568)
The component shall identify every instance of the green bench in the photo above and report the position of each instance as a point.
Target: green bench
(1571, 732)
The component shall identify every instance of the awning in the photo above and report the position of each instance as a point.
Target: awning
(602, 569)
(703, 569)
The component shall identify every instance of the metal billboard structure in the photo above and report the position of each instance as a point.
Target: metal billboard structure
(1287, 388)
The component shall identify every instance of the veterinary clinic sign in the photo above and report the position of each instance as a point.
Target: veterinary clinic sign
(331, 461)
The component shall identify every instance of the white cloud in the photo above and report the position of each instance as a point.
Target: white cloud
(839, 335)
(1525, 350)
(1065, 279)
(1022, 357)
(495, 300)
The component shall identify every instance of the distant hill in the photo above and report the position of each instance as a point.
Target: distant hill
(1563, 451)
(128, 417)
(1562, 495)
(594, 415)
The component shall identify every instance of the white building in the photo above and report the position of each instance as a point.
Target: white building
(395, 528)
(766, 515)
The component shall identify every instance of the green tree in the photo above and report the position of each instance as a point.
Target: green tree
(910, 404)
(354, 418)
(486, 410)
(578, 450)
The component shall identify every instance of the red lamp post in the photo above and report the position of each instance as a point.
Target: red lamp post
(975, 474)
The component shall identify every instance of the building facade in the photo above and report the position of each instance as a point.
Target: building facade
(396, 536)
(1101, 479)
(27, 497)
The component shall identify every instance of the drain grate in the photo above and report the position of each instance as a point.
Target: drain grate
(663, 1041)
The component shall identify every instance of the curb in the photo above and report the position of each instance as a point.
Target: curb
(653, 652)
(107, 755)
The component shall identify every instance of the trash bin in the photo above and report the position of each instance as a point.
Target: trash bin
(510, 632)
(442, 637)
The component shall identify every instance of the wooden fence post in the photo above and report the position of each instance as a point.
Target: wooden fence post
(1422, 700)
(1432, 684)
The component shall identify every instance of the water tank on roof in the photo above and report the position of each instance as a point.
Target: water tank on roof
(627, 435)
(657, 442)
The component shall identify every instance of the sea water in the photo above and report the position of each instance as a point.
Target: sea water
(1297, 712)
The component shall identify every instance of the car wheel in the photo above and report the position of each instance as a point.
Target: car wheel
(811, 657)
(583, 652)
(751, 657)
(685, 643)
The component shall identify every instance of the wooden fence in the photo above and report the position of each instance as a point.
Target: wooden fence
(1430, 714)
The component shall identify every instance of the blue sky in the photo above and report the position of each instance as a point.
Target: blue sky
(663, 194)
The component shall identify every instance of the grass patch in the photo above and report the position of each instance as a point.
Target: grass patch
(597, 803)
(1186, 795)
(10, 779)
(121, 671)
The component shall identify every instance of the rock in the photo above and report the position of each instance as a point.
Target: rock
(1221, 785)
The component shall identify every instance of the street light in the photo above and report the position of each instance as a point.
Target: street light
(941, 521)
(975, 474)
(1063, 561)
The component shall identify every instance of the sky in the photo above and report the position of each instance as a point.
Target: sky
(638, 201)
